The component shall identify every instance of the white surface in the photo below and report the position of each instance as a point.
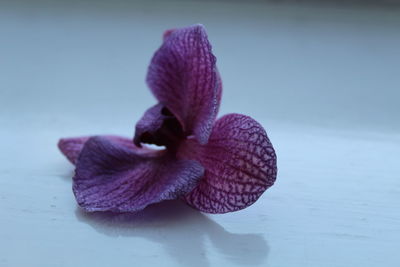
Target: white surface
(323, 81)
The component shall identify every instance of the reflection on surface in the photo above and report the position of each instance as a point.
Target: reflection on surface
(182, 232)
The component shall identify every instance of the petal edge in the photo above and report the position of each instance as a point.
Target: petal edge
(71, 147)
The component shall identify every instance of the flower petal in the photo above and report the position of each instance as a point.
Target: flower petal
(71, 147)
(239, 162)
(111, 177)
(183, 77)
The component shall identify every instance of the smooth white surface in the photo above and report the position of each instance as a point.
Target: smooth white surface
(323, 81)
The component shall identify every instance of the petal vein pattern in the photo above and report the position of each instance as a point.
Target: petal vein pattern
(239, 162)
(183, 76)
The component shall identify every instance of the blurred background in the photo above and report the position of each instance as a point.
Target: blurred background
(322, 77)
(326, 63)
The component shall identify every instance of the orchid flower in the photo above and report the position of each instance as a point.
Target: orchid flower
(215, 166)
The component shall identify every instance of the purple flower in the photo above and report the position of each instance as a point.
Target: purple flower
(216, 166)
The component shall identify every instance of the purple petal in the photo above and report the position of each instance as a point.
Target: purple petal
(239, 162)
(184, 78)
(111, 177)
(71, 147)
(158, 126)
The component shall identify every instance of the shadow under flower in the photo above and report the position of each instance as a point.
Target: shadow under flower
(182, 231)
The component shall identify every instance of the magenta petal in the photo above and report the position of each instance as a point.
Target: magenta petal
(239, 162)
(71, 147)
(184, 78)
(111, 177)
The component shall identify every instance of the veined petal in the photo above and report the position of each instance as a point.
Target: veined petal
(111, 177)
(183, 77)
(239, 162)
(71, 147)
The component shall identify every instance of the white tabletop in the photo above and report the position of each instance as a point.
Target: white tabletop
(323, 81)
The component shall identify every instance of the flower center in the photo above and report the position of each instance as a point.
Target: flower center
(161, 128)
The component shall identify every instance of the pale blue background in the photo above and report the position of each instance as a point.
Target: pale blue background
(322, 79)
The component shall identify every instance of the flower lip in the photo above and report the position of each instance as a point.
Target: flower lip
(160, 127)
